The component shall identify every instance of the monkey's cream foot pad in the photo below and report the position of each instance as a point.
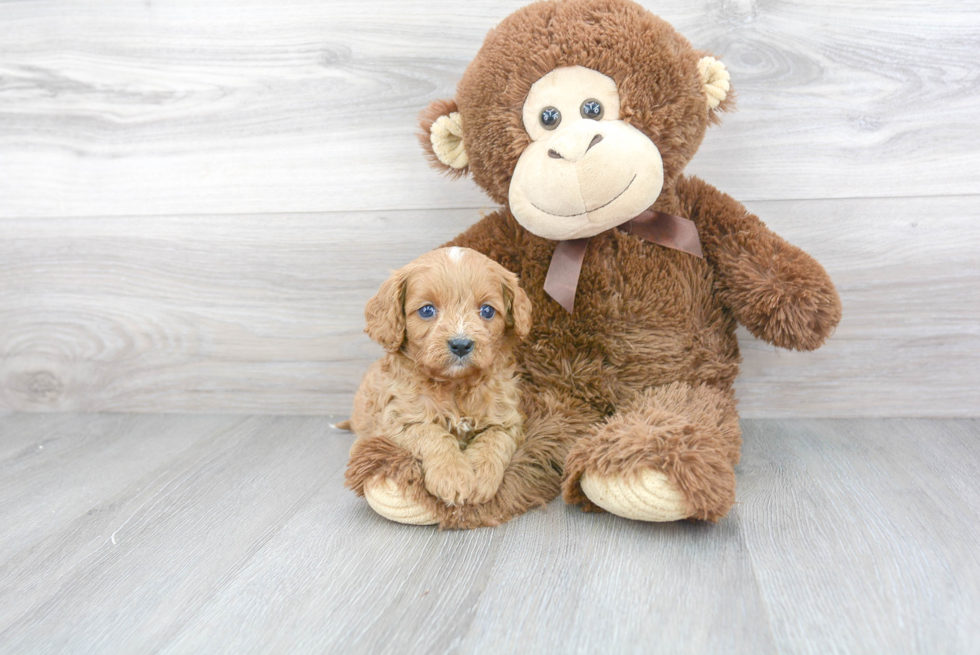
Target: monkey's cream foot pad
(391, 502)
(650, 496)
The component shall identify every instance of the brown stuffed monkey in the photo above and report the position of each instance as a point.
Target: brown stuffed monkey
(578, 117)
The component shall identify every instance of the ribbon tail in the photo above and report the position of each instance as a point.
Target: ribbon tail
(564, 270)
(686, 237)
(666, 230)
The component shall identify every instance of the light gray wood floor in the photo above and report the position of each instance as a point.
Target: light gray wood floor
(193, 534)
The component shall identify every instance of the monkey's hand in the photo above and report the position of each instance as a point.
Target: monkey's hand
(777, 291)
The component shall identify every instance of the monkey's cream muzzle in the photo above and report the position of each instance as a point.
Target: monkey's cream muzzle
(581, 175)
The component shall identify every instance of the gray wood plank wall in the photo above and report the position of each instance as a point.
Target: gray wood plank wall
(196, 201)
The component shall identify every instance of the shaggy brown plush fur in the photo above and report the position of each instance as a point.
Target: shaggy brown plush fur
(689, 433)
(640, 376)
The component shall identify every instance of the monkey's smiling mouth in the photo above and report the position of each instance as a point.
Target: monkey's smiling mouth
(588, 211)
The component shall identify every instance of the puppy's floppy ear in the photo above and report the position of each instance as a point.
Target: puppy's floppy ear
(519, 306)
(385, 313)
(441, 137)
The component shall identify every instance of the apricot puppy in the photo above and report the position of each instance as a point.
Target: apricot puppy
(447, 390)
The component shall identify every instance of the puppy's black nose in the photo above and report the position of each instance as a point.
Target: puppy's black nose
(460, 346)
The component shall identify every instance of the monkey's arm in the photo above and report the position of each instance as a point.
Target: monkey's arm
(777, 291)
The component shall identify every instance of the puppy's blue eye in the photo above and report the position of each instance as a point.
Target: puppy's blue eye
(427, 312)
(487, 312)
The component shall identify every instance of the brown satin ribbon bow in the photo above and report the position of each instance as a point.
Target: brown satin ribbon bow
(660, 228)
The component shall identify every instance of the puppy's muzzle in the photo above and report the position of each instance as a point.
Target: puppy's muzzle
(460, 346)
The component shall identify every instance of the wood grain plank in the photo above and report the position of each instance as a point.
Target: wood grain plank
(127, 573)
(174, 107)
(889, 562)
(848, 536)
(620, 585)
(552, 581)
(356, 583)
(95, 455)
(19, 433)
(261, 314)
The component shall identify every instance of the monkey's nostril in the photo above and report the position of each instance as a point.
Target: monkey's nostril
(596, 139)
(554, 155)
(460, 346)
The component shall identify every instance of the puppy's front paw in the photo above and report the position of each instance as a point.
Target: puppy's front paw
(453, 483)
(488, 475)
(485, 490)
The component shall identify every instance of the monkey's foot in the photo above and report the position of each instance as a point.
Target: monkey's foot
(666, 456)
(390, 501)
(391, 481)
(651, 496)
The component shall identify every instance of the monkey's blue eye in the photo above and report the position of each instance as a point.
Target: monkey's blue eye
(550, 117)
(487, 312)
(592, 109)
(427, 312)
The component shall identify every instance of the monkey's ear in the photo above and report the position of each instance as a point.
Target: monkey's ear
(385, 313)
(717, 86)
(442, 137)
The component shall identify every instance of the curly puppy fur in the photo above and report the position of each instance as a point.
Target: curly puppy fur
(641, 374)
(457, 415)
